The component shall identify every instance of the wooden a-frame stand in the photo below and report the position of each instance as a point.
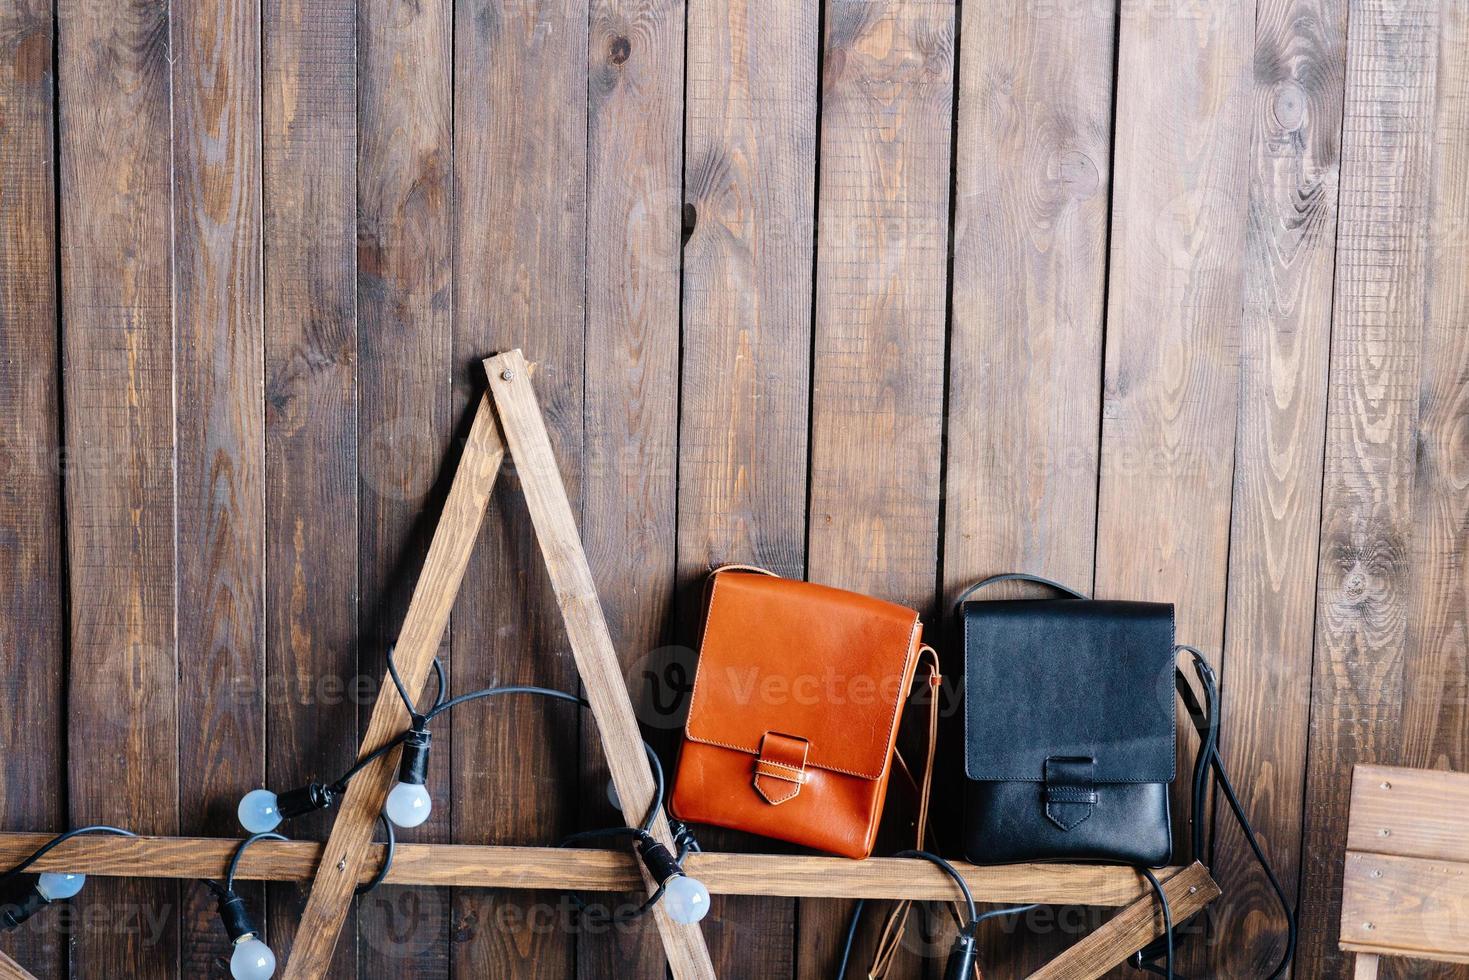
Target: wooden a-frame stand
(508, 419)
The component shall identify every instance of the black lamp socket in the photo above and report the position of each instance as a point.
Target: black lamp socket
(307, 799)
(237, 922)
(413, 768)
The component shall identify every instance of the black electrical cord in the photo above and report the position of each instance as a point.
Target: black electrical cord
(1206, 716)
(387, 864)
(966, 928)
(60, 839)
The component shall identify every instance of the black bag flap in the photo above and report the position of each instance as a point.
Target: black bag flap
(1073, 678)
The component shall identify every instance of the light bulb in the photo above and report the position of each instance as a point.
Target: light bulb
(686, 898)
(54, 887)
(259, 811)
(252, 960)
(612, 796)
(409, 804)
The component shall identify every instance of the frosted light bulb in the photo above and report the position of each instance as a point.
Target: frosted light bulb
(686, 899)
(259, 812)
(54, 887)
(409, 804)
(252, 960)
(612, 796)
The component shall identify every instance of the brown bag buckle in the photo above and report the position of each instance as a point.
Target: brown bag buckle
(780, 769)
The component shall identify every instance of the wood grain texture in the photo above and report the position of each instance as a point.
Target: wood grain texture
(221, 435)
(1418, 813)
(11, 970)
(434, 593)
(520, 143)
(635, 55)
(1404, 906)
(32, 577)
(309, 147)
(1366, 576)
(1290, 250)
(117, 374)
(555, 868)
(405, 350)
(878, 368)
(1032, 182)
(570, 576)
(749, 184)
(1140, 923)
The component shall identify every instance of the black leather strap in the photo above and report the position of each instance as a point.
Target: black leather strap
(1018, 577)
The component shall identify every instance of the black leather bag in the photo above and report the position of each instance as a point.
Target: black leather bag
(1069, 728)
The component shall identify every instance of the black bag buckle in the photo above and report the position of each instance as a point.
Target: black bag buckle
(1071, 789)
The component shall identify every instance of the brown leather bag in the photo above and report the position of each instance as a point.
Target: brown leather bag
(795, 710)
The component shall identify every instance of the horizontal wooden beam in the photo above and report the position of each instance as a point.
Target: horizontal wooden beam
(480, 866)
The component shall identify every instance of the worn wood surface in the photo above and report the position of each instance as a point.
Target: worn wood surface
(1410, 812)
(32, 576)
(792, 875)
(11, 970)
(1199, 335)
(1402, 906)
(1132, 928)
(520, 218)
(635, 57)
(117, 380)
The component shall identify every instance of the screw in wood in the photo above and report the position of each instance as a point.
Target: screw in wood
(507, 375)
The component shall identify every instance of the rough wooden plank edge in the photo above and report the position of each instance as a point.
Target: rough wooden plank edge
(524, 429)
(11, 970)
(1362, 949)
(347, 848)
(1132, 928)
(487, 866)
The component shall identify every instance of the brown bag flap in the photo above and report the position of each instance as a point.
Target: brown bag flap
(804, 661)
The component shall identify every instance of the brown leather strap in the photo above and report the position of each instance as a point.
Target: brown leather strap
(893, 929)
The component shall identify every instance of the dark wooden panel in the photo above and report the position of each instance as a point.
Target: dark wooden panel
(405, 350)
(119, 404)
(520, 129)
(877, 398)
(749, 175)
(1300, 53)
(1032, 174)
(310, 153)
(32, 581)
(634, 204)
(220, 435)
(1365, 575)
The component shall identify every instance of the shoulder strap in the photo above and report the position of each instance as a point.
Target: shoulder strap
(1018, 577)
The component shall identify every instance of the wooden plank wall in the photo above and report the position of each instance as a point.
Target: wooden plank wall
(1163, 300)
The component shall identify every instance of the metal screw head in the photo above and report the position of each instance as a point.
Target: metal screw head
(507, 375)
(1386, 785)
(1368, 926)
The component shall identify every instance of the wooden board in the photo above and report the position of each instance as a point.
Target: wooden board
(1365, 571)
(1409, 813)
(570, 576)
(32, 577)
(405, 455)
(309, 145)
(1403, 906)
(520, 132)
(118, 393)
(749, 184)
(1032, 164)
(221, 435)
(630, 414)
(1290, 249)
(11, 970)
(423, 630)
(1132, 928)
(878, 369)
(792, 875)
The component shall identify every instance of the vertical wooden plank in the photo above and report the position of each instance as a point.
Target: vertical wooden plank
(119, 404)
(32, 582)
(309, 145)
(520, 131)
(221, 436)
(750, 150)
(1032, 176)
(877, 399)
(635, 54)
(1290, 249)
(1365, 577)
(405, 342)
